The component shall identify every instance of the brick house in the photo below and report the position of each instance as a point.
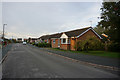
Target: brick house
(55, 40)
(19, 40)
(45, 38)
(48, 38)
(67, 40)
(31, 40)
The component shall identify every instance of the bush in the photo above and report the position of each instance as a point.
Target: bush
(44, 45)
(33, 43)
(114, 46)
(91, 43)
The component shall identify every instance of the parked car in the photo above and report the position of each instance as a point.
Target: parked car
(24, 43)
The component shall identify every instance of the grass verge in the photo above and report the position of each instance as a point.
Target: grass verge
(95, 53)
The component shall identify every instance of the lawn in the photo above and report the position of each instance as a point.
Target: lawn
(95, 53)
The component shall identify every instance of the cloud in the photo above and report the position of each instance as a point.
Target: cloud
(84, 19)
(53, 0)
(36, 19)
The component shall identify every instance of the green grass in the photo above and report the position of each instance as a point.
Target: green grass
(95, 53)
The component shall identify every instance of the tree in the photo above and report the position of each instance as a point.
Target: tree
(111, 20)
(99, 30)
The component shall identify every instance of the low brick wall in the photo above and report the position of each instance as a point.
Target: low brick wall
(65, 46)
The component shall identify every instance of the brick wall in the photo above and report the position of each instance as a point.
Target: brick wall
(73, 41)
(90, 33)
(49, 40)
(65, 46)
(72, 44)
(54, 45)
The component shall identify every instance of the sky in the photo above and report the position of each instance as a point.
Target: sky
(34, 19)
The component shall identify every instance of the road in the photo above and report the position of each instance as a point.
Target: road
(24, 61)
(112, 62)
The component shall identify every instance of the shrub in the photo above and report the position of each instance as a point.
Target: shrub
(33, 43)
(114, 46)
(91, 43)
(44, 45)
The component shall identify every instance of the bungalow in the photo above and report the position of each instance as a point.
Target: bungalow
(67, 40)
(31, 40)
(55, 40)
(45, 38)
(19, 40)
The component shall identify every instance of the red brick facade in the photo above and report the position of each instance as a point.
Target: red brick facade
(73, 41)
(54, 45)
(48, 40)
(89, 33)
(65, 46)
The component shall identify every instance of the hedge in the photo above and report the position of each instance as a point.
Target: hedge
(43, 45)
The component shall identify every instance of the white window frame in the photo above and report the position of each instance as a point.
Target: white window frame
(66, 41)
(63, 40)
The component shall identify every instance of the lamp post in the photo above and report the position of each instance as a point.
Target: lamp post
(3, 34)
(3, 30)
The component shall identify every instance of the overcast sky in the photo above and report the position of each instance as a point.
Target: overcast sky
(33, 19)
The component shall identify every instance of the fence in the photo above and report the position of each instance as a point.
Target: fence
(4, 50)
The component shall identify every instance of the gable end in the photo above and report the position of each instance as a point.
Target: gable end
(87, 31)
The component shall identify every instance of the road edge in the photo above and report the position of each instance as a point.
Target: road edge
(88, 63)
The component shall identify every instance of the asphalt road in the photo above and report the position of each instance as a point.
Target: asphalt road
(112, 62)
(24, 61)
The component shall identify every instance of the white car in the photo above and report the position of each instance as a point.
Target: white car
(24, 43)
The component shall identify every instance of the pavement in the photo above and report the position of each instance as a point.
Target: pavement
(0, 62)
(25, 61)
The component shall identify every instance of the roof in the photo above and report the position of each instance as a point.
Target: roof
(73, 33)
(76, 32)
(45, 37)
(79, 32)
(19, 38)
(57, 35)
(33, 38)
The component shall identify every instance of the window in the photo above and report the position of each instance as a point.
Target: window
(64, 40)
(69, 41)
(54, 41)
(47, 40)
(58, 42)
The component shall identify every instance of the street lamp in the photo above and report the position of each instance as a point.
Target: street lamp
(3, 30)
